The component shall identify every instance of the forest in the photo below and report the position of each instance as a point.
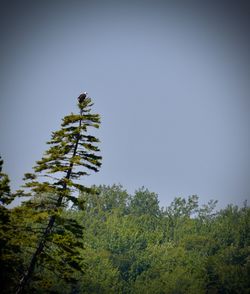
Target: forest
(68, 238)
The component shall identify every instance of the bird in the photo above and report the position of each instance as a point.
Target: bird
(82, 97)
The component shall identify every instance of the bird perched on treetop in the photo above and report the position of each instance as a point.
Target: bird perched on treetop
(82, 97)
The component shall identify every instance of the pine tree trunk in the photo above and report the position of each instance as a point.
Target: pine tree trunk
(27, 275)
(24, 281)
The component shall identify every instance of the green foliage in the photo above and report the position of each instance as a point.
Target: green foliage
(5, 194)
(48, 241)
(129, 245)
(121, 243)
(144, 203)
(8, 244)
(15, 240)
(185, 248)
(100, 275)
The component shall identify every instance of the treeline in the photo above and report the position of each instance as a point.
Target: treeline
(123, 243)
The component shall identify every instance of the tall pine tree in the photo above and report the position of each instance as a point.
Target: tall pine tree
(55, 181)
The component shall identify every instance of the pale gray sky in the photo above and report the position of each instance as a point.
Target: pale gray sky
(171, 83)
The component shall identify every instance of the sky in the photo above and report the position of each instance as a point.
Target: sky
(170, 80)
